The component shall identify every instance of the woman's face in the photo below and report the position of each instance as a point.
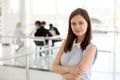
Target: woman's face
(78, 25)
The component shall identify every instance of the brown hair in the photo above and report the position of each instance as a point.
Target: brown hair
(71, 36)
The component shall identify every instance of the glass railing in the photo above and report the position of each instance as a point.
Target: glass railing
(22, 52)
(31, 59)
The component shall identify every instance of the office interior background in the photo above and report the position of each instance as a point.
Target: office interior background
(105, 20)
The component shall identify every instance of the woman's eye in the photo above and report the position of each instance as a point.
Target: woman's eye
(72, 23)
(80, 23)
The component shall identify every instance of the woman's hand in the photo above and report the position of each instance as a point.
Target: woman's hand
(71, 76)
(73, 69)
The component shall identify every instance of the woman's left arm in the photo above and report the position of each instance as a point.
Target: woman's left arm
(86, 62)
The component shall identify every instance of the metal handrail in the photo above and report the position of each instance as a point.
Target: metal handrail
(32, 37)
(27, 54)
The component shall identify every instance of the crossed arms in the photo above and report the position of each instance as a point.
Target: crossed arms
(74, 72)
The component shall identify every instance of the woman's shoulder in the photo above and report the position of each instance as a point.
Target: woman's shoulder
(91, 45)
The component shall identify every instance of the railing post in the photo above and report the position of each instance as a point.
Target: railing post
(49, 51)
(27, 68)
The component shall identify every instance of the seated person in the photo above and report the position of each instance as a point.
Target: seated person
(54, 31)
(19, 32)
(37, 25)
(42, 32)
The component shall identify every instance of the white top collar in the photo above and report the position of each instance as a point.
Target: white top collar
(76, 44)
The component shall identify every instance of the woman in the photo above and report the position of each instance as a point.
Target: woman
(77, 54)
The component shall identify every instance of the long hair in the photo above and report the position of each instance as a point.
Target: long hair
(71, 36)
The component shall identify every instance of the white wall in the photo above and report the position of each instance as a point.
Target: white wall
(10, 23)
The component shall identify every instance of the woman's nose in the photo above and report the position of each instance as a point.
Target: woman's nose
(77, 25)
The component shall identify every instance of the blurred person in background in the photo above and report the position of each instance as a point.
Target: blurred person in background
(19, 32)
(37, 25)
(54, 31)
(43, 32)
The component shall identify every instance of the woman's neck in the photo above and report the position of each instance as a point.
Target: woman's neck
(79, 39)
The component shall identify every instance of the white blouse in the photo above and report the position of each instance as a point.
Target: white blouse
(73, 57)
